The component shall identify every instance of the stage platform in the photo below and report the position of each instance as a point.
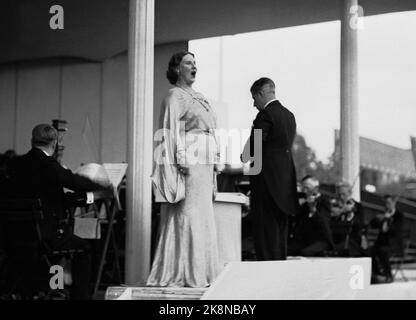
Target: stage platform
(391, 291)
(294, 279)
(153, 293)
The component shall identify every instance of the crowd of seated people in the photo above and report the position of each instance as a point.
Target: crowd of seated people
(326, 227)
(335, 227)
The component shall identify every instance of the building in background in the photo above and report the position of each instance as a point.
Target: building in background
(385, 168)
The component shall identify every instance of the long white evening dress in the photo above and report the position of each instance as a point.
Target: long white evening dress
(186, 253)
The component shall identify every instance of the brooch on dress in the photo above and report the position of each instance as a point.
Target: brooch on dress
(195, 96)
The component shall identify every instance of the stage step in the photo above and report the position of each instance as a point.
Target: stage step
(390, 291)
(153, 293)
(297, 278)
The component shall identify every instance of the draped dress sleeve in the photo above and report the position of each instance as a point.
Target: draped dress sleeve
(168, 182)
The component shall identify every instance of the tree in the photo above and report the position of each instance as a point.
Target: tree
(306, 163)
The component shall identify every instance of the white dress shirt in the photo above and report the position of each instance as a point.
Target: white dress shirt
(269, 103)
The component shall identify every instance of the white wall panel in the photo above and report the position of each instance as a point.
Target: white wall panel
(7, 106)
(114, 109)
(81, 97)
(37, 98)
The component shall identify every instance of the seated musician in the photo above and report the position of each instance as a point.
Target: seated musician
(311, 234)
(346, 223)
(38, 175)
(389, 240)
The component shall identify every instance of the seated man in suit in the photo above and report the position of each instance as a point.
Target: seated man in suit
(311, 233)
(38, 175)
(347, 223)
(389, 240)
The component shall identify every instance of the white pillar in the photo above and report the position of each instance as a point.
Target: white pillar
(139, 140)
(350, 148)
(221, 70)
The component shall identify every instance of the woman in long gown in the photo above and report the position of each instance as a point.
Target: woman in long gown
(186, 253)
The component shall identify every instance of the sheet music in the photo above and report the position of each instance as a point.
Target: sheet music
(95, 172)
(105, 174)
(115, 172)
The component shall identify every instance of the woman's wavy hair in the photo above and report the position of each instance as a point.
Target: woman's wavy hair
(174, 62)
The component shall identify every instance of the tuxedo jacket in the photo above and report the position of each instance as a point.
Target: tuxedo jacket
(36, 175)
(341, 227)
(309, 230)
(278, 127)
(393, 238)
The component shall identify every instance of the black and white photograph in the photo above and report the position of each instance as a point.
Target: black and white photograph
(207, 155)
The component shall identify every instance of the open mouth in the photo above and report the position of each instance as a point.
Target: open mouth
(193, 73)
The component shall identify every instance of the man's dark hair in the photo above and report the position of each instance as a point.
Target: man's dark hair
(174, 62)
(44, 135)
(258, 85)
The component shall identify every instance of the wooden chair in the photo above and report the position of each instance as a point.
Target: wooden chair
(22, 239)
(399, 261)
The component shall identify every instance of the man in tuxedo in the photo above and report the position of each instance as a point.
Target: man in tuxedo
(311, 234)
(273, 190)
(347, 223)
(38, 175)
(389, 240)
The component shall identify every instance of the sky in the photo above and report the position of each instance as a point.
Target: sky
(304, 62)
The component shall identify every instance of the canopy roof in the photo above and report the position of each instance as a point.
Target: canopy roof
(97, 29)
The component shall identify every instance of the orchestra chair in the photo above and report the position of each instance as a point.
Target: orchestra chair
(29, 258)
(403, 258)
